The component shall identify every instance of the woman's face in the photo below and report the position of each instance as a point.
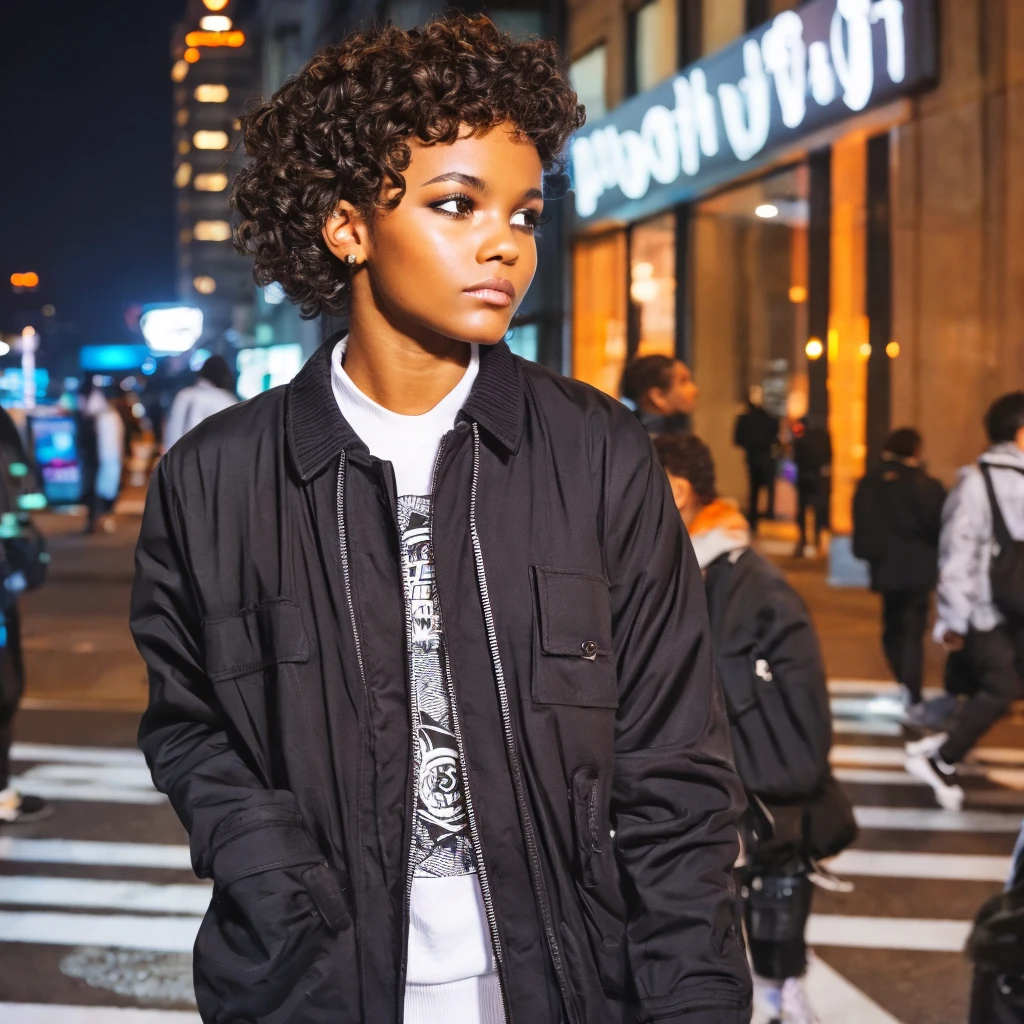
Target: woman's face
(456, 256)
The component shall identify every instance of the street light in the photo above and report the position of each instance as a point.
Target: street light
(216, 5)
(215, 23)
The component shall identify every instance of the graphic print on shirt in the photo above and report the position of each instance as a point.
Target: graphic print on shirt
(442, 845)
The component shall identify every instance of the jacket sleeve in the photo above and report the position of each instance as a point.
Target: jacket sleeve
(866, 532)
(675, 796)
(966, 526)
(216, 794)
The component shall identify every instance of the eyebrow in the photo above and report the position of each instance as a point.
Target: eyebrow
(472, 181)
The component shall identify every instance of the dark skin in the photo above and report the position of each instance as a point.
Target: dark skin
(467, 219)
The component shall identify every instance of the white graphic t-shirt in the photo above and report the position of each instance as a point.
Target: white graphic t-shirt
(451, 968)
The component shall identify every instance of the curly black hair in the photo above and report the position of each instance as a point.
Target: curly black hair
(690, 458)
(341, 128)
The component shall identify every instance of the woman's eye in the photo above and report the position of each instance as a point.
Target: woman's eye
(455, 206)
(528, 219)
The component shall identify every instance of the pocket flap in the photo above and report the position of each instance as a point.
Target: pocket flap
(254, 638)
(575, 614)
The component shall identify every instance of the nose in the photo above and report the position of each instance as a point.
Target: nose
(499, 243)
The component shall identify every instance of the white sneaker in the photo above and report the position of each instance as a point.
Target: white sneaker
(796, 1008)
(924, 763)
(767, 1001)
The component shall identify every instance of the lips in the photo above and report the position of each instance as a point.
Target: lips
(496, 291)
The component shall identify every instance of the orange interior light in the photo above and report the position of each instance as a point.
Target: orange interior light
(29, 280)
(191, 55)
(215, 5)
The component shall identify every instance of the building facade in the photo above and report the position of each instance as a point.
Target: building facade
(819, 203)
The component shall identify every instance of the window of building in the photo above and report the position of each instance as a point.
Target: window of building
(210, 140)
(211, 93)
(599, 310)
(182, 175)
(652, 285)
(204, 284)
(212, 231)
(214, 181)
(655, 43)
(722, 22)
(589, 75)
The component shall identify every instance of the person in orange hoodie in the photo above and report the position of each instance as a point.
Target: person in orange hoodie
(773, 680)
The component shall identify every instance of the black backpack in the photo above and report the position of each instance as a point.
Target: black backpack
(1006, 571)
(781, 728)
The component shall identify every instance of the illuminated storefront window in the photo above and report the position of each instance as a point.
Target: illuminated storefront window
(599, 310)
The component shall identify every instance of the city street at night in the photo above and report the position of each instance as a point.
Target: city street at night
(99, 907)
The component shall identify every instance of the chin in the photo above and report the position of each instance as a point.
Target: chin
(480, 331)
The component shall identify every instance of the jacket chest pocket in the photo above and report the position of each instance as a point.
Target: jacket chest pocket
(575, 663)
(254, 639)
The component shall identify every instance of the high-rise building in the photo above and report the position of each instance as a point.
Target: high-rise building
(216, 72)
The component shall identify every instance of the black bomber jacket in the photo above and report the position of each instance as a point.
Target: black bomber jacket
(268, 605)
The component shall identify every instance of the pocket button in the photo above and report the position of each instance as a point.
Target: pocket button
(589, 649)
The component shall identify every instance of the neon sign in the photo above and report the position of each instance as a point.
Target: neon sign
(803, 71)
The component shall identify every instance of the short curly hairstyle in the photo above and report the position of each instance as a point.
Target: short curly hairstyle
(690, 458)
(341, 128)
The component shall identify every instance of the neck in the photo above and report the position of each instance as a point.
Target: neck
(404, 370)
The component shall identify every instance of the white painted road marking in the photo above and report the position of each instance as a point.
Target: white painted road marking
(921, 934)
(892, 864)
(128, 776)
(893, 757)
(96, 894)
(866, 727)
(927, 819)
(119, 931)
(837, 1001)
(127, 756)
(46, 1013)
(83, 791)
(80, 851)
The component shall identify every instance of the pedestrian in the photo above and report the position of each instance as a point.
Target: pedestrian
(773, 675)
(662, 392)
(17, 478)
(757, 433)
(101, 455)
(897, 516)
(978, 614)
(405, 618)
(213, 391)
(812, 455)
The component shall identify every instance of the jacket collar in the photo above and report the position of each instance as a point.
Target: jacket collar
(318, 432)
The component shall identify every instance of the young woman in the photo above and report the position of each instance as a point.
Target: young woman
(431, 685)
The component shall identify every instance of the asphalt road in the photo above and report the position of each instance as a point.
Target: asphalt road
(98, 907)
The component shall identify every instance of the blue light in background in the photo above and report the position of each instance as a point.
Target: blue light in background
(94, 358)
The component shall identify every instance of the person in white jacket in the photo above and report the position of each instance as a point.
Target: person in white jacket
(969, 620)
(213, 391)
(101, 448)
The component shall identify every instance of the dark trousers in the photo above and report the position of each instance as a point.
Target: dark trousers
(12, 684)
(994, 660)
(776, 910)
(904, 620)
(816, 498)
(761, 476)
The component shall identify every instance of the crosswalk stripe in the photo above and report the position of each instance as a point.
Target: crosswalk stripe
(118, 931)
(876, 705)
(893, 757)
(83, 791)
(866, 727)
(911, 933)
(96, 853)
(927, 819)
(49, 1013)
(127, 756)
(874, 686)
(837, 1001)
(127, 776)
(897, 864)
(97, 894)
(877, 777)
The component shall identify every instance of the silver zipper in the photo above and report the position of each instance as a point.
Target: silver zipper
(347, 583)
(506, 720)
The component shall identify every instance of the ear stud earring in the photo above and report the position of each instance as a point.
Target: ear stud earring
(350, 259)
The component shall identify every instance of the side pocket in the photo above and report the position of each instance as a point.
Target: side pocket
(585, 810)
(601, 904)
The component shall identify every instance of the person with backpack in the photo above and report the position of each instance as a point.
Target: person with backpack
(773, 676)
(980, 596)
(897, 515)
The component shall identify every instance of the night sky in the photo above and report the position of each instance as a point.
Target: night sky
(86, 198)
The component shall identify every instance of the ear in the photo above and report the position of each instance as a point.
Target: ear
(346, 233)
(658, 401)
